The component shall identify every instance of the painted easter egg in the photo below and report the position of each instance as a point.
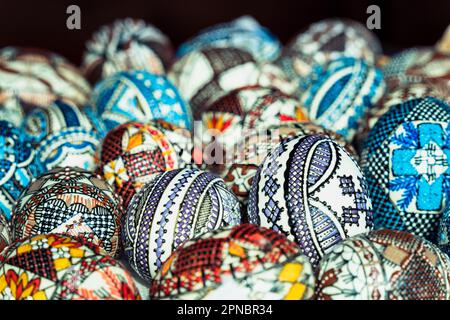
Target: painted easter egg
(384, 265)
(404, 160)
(243, 262)
(311, 190)
(138, 95)
(175, 207)
(134, 153)
(56, 267)
(70, 201)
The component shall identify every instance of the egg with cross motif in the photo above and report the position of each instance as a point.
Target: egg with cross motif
(405, 160)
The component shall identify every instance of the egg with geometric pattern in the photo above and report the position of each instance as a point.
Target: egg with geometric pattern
(405, 161)
(312, 191)
(175, 206)
(73, 202)
(243, 262)
(137, 95)
(203, 76)
(126, 44)
(132, 154)
(59, 267)
(18, 167)
(63, 135)
(384, 265)
(36, 77)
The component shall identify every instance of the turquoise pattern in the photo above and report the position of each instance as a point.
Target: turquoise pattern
(421, 165)
(339, 94)
(138, 95)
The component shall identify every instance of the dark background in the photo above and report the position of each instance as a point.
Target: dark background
(43, 23)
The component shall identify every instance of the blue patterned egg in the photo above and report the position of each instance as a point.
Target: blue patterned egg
(138, 95)
(311, 190)
(17, 165)
(176, 206)
(338, 95)
(405, 159)
(243, 33)
(63, 135)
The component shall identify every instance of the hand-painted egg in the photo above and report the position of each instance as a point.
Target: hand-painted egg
(244, 262)
(134, 153)
(239, 169)
(175, 207)
(124, 45)
(138, 95)
(405, 162)
(73, 202)
(417, 65)
(384, 265)
(311, 190)
(206, 75)
(340, 93)
(5, 233)
(37, 77)
(244, 33)
(328, 40)
(243, 110)
(63, 135)
(56, 267)
(17, 166)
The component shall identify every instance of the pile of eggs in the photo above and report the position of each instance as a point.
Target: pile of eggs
(230, 168)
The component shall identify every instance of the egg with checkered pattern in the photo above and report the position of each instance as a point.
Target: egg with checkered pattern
(405, 161)
(439, 90)
(339, 94)
(311, 190)
(124, 45)
(63, 135)
(73, 202)
(174, 207)
(58, 267)
(206, 75)
(327, 40)
(18, 167)
(138, 95)
(243, 33)
(34, 77)
(132, 154)
(384, 265)
(243, 262)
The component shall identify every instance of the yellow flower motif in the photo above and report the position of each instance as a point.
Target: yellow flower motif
(20, 287)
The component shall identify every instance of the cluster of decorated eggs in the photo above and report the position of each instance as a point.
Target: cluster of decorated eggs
(231, 168)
